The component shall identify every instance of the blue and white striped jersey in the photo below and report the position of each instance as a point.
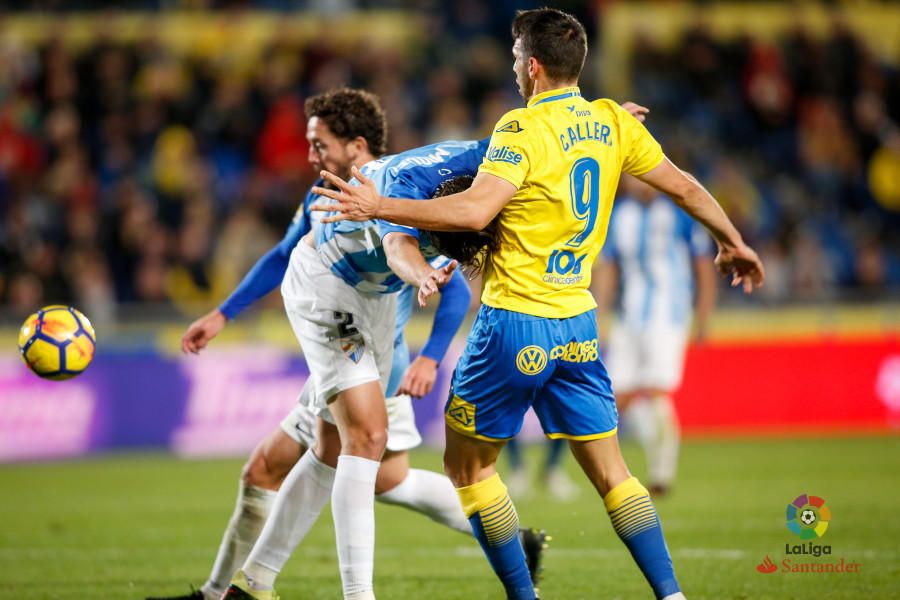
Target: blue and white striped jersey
(654, 245)
(353, 250)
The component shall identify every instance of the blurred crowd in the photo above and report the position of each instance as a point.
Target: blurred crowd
(800, 143)
(131, 174)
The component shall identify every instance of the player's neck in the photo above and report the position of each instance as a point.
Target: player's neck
(362, 159)
(542, 85)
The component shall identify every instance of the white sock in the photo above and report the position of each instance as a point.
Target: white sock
(675, 596)
(641, 420)
(430, 494)
(298, 504)
(250, 512)
(664, 463)
(353, 508)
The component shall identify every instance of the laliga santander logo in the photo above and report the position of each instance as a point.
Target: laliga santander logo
(808, 517)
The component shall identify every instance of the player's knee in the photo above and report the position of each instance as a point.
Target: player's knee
(387, 480)
(261, 473)
(367, 442)
(460, 473)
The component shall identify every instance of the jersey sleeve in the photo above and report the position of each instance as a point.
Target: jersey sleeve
(642, 152)
(507, 156)
(386, 227)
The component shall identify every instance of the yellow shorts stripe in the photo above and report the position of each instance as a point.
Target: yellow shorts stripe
(583, 438)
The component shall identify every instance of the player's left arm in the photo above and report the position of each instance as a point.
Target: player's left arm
(419, 378)
(605, 287)
(469, 210)
(734, 257)
(707, 292)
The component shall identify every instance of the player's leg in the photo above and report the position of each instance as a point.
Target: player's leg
(518, 480)
(299, 502)
(347, 339)
(628, 367)
(494, 382)
(470, 464)
(630, 510)
(577, 404)
(425, 492)
(361, 419)
(664, 349)
(262, 475)
(557, 482)
(429, 493)
(654, 422)
(663, 465)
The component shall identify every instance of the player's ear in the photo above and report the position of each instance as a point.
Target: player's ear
(357, 146)
(534, 68)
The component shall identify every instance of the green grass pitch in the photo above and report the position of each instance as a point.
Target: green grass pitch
(128, 526)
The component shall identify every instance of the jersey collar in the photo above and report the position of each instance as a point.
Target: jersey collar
(552, 95)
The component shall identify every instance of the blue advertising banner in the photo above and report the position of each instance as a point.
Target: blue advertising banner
(221, 402)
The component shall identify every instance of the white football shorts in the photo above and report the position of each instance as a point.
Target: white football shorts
(647, 358)
(347, 336)
(300, 423)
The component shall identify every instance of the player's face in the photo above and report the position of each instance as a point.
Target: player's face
(326, 150)
(520, 68)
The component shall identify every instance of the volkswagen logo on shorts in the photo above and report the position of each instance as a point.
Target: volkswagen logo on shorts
(531, 360)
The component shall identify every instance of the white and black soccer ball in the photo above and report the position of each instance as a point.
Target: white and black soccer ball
(808, 516)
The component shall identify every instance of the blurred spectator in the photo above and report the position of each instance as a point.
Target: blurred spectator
(142, 172)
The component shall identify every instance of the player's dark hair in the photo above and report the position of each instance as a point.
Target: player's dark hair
(555, 38)
(351, 113)
(470, 248)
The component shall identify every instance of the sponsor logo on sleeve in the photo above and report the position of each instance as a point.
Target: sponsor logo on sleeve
(504, 154)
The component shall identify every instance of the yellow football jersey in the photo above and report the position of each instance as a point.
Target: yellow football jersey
(565, 155)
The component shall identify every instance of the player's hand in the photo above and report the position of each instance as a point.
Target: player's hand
(637, 111)
(437, 279)
(353, 202)
(744, 266)
(419, 377)
(202, 331)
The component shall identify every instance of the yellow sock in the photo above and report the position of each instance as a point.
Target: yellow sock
(491, 501)
(630, 508)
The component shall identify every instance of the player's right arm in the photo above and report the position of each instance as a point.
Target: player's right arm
(405, 258)
(470, 210)
(645, 160)
(263, 277)
(735, 257)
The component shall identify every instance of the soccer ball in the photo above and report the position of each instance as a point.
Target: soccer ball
(57, 342)
(808, 517)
